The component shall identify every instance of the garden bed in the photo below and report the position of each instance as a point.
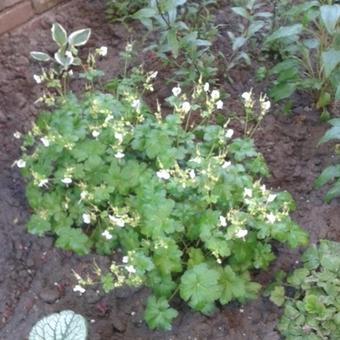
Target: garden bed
(38, 279)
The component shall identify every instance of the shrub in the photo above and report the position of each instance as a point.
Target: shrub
(184, 203)
(314, 310)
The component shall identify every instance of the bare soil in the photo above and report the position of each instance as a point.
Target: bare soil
(37, 279)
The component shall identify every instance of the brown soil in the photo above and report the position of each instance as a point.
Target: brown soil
(36, 279)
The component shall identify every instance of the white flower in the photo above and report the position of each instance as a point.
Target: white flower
(67, 180)
(271, 218)
(248, 99)
(117, 221)
(241, 233)
(176, 91)
(136, 104)
(37, 78)
(70, 73)
(17, 135)
(107, 235)
(128, 47)
(197, 160)
(163, 174)
(226, 165)
(79, 288)
(69, 54)
(266, 105)
(192, 174)
(125, 259)
(43, 182)
(263, 188)
(86, 218)
(95, 133)
(102, 51)
(108, 118)
(120, 155)
(223, 221)
(20, 163)
(153, 75)
(271, 198)
(219, 105)
(83, 195)
(219, 261)
(247, 96)
(206, 87)
(215, 94)
(186, 107)
(229, 133)
(248, 192)
(45, 141)
(119, 136)
(130, 269)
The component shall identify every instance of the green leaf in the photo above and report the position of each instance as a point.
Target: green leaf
(328, 174)
(330, 15)
(158, 313)
(298, 277)
(80, 37)
(38, 226)
(145, 13)
(282, 91)
(107, 282)
(199, 286)
(242, 149)
(40, 56)
(241, 11)
(161, 285)
(311, 258)
(167, 259)
(64, 60)
(65, 325)
(332, 133)
(324, 100)
(330, 60)
(313, 305)
(59, 34)
(333, 192)
(232, 286)
(277, 296)
(74, 240)
(330, 255)
(173, 42)
(285, 32)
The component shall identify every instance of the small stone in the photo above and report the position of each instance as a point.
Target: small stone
(118, 324)
(92, 296)
(49, 295)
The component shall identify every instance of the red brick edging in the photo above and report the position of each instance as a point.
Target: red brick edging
(14, 13)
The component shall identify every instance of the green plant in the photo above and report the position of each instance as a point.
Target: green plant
(121, 10)
(185, 31)
(310, 49)
(332, 172)
(313, 310)
(182, 199)
(254, 23)
(65, 325)
(55, 79)
(67, 53)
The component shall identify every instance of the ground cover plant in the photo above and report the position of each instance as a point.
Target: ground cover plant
(185, 203)
(312, 309)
